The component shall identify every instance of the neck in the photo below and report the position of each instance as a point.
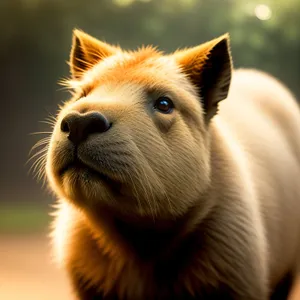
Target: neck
(145, 238)
(151, 240)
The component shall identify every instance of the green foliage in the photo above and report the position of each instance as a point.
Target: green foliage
(23, 218)
(35, 39)
(42, 29)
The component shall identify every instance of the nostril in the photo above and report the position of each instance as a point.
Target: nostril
(96, 123)
(64, 126)
(79, 126)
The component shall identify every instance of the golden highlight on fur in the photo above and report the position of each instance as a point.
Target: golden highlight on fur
(176, 177)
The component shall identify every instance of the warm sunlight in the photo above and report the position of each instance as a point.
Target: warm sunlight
(263, 12)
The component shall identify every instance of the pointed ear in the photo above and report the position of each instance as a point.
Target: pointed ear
(86, 52)
(208, 67)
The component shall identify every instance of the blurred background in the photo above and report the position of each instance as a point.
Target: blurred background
(35, 40)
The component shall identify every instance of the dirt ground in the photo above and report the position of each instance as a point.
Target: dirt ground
(27, 274)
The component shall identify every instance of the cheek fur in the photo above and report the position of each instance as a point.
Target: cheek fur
(164, 122)
(162, 165)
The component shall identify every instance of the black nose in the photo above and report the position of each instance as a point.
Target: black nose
(80, 126)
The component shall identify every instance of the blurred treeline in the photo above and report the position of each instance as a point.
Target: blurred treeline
(35, 40)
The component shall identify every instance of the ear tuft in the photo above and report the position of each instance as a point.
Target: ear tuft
(209, 68)
(86, 52)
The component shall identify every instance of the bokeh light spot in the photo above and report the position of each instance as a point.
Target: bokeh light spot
(263, 12)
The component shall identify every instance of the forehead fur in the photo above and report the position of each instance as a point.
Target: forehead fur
(146, 66)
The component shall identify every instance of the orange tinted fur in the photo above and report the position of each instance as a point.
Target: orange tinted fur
(188, 180)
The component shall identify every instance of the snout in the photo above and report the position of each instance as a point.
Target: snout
(86, 148)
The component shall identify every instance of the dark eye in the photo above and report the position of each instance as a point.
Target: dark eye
(164, 105)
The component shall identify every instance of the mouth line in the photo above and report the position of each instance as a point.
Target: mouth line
(79, 166)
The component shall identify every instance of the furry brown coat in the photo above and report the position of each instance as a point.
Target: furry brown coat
(166, 191)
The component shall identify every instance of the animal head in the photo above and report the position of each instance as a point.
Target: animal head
(135, 135)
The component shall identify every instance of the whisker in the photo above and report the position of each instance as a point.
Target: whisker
(40, 143)
(37, 163)
(52, 123)
(152, 210)
(64, 89)
(37, 166)
(39, 158)
(40, 132)
(135, 191)
(42, 170)
(39, 170)
(37, 154)
(44, 149)
(64, 81)
(51, 117)
(47, 138)
(43, 178)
